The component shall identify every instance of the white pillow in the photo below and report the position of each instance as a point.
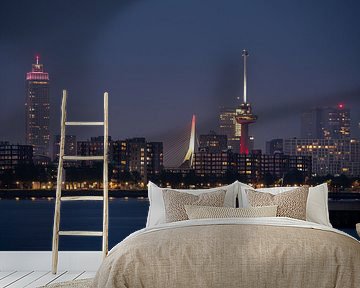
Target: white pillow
(156, 214)
(317, 209)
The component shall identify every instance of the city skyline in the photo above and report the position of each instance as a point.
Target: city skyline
(341, 108)
(334, 118)
(320, 66)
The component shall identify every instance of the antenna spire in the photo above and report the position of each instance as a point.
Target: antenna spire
(37, 59)
(245, 54)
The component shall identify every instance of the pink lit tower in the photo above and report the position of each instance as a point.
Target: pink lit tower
(37, 110)
(244, 116)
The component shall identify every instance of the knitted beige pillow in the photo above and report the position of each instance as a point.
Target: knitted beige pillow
(175, 201)
(290, 204)
(201, 212)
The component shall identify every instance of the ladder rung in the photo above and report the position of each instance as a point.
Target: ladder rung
(84, 123)
(83, 157)
(80, 233)
(82, 198)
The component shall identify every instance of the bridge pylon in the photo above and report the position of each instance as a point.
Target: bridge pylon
(189, 156)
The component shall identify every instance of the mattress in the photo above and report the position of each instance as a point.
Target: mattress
(233, 252)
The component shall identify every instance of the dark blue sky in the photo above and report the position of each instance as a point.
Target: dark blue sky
(162, 61)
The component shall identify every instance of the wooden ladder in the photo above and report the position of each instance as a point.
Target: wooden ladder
(59, 198)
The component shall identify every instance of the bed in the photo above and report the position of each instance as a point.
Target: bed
(232, 252)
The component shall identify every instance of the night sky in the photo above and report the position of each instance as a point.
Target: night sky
(162, 61)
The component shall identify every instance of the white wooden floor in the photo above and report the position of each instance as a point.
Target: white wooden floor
(32, 268)
(32, 279)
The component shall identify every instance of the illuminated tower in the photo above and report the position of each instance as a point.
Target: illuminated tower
(189, 157)
(37, 110)
(244, 116)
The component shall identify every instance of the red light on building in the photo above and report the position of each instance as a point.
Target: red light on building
(341, 106)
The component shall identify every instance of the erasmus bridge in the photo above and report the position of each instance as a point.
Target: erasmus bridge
(180, 149)
(189, 156)
(243, 117)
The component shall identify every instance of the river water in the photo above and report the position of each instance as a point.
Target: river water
(26, 225)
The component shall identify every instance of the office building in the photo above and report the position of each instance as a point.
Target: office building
(93, 147)
(279, 164)
(13, 155)
(154, 158)
(119, 158)
(329, 156)
(274, 146)
(211, 164)
(70, 147)
(338, 122)
(252, 166)
(37, 110)
(229, 127)
(135, 155)
(213, 143)
(326, 123)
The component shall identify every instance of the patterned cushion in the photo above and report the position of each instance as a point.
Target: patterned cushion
(201, 212)
(175, 201)
(290, 204)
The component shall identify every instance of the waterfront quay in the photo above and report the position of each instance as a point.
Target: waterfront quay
(34, 194)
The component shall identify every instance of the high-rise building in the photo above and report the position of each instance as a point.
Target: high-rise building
(120, 158)
(329, 156)
(213, 143)
(274, 146)
(154, 158)
(338, 119)
(37, 110)
(354, 165)
(137, 156)
(229, 127)
(13, 155)
(326, 123)
(311, 124)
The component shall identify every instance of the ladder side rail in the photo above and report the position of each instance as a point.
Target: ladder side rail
(55, 243)
(105, 179)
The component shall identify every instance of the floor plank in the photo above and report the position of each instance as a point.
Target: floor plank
(28, 279)
(87, 275)
(12, 278)
(68, 276)
(5, 274)
(32, 279)
(49, 277)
